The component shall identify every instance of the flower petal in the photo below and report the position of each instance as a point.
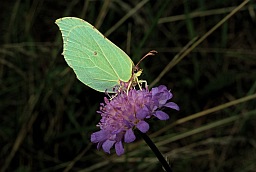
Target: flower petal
(99, 136)
(154, 91)
(161, 115)
(129, 136)
(172, 105)
(162, 88)
(107, 145)
(119, 148)
(161, 95)
(142, 113)
(164, 97)
(143, 126)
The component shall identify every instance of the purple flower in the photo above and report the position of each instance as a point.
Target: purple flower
(126, 112)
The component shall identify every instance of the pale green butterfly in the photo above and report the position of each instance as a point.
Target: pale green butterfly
(97, 62)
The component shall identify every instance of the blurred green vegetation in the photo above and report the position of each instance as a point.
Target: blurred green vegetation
(47, 115)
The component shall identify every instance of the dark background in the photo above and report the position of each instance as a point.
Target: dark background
(47, 115)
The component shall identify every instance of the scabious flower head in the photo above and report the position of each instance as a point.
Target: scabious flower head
(128, 111)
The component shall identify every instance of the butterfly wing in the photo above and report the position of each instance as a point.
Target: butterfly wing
(96, 61)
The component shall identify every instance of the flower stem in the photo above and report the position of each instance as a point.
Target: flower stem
(156, 152)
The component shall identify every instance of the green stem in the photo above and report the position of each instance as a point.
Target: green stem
(156, 152)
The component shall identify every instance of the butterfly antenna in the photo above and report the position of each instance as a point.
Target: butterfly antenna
(150, 53)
